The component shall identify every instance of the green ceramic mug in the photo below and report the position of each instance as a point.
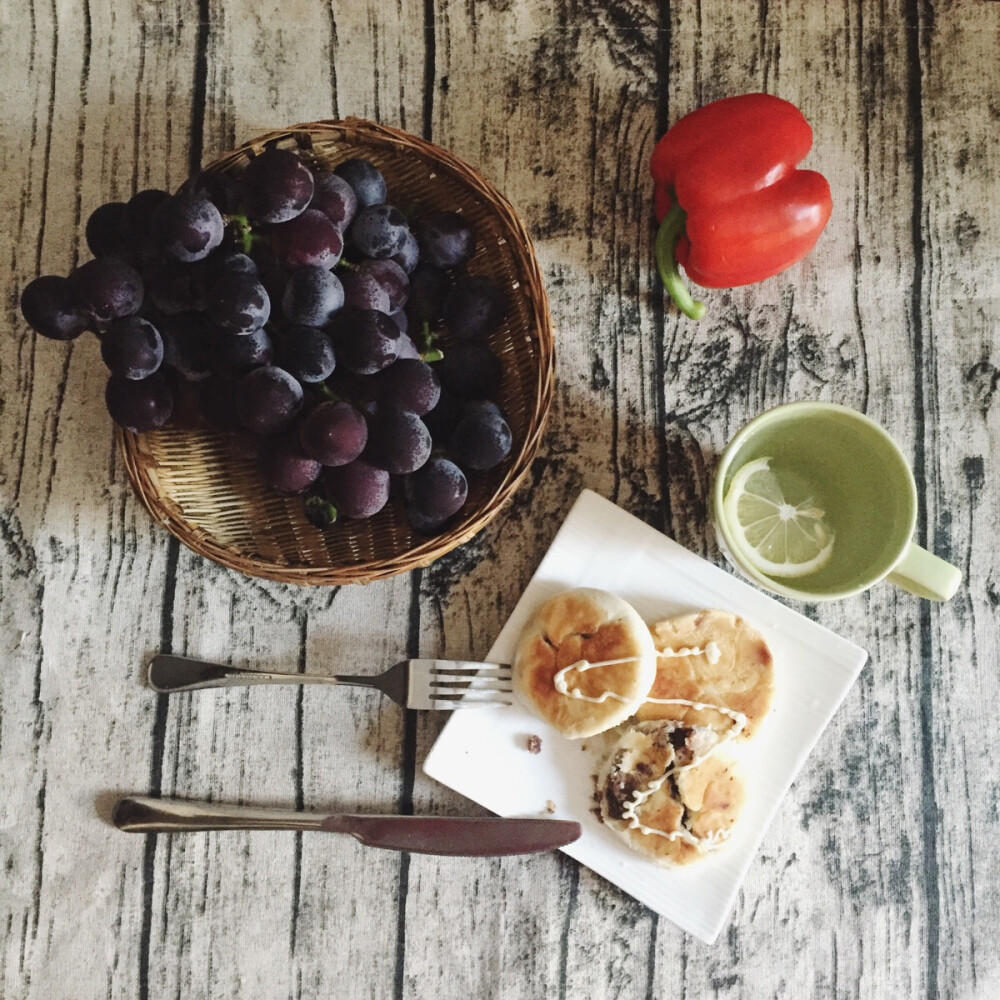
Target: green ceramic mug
(867, 491)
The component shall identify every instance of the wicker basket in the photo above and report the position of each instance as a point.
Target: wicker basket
(212, 499)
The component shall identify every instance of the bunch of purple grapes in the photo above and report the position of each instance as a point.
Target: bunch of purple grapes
(299, 309)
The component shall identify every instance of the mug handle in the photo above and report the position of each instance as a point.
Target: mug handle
(925, 574)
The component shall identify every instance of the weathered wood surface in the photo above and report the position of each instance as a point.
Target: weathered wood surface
(879, 877)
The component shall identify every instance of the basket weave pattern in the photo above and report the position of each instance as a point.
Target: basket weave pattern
(209, 496)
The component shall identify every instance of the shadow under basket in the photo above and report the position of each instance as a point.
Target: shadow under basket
(209, 495)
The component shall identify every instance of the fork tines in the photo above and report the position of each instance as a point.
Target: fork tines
(460, 685)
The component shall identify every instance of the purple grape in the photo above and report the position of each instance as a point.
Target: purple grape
(276, 186)
(218, 188)
(235, 354)
(106, 289)
(378, 231)
(474, 307)
(137, 221)
(312, 296)
(139, 405)
(187, 340)
(217, 398)
(409, 384)
(408, 255)
(186, 228)
(285, 468)
(366, 341)
(104, 230)
(446, 239)
(365, 179)
(392, 278)
(422, 523)
(308, 240)
(482, 438)
(407, 349)
(364, 291)
(398, 441)
(269, 400)
(306, 353)
(401, 320)
(335, 198)
(50, 308)
(358, 489)
(270, 273)
(132, 348)
(224, 262)
(428, 288)
(174, 287)
(470, 370)
(238, 303)
(442, 419)
(436, 491)
(185, 412)
(244, 445)
(481, 408)
(334, 433)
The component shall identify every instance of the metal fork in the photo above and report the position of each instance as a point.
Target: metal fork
(420, 684)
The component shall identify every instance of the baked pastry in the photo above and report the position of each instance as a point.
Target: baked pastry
(667, 794)
(585, 662)
(710, 658)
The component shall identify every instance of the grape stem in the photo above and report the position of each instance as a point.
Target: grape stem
(245, 234)
(322, 509)
(428, 338)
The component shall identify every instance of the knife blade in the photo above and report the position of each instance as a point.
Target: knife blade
(460, 836)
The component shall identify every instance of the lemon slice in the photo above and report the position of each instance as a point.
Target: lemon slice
(777, 538)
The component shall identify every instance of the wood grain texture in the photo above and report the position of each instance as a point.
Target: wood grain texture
(878, 878)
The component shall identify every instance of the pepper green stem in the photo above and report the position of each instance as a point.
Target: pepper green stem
(670, 231)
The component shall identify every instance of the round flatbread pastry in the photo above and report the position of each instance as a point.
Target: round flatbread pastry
(663, 791)
(584, 662)
(710, 658)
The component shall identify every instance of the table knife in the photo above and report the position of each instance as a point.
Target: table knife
(472, 836)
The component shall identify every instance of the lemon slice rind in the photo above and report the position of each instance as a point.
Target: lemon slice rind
(750, 551)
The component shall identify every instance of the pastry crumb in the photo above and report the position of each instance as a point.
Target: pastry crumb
(583, 746)
(550, 806)
(534, 744)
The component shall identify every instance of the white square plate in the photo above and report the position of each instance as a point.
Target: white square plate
(482, 753)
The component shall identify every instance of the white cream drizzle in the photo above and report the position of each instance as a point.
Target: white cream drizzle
(739, 719)
(713, 838)
(712, 653)
(561, 685)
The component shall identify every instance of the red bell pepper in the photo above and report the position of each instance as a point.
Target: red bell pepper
(733, 208)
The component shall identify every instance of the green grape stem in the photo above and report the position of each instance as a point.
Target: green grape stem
(427, 339)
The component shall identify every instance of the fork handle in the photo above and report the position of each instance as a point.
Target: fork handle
(168, 674)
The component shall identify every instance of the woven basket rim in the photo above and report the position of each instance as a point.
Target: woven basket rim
(141, 467)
